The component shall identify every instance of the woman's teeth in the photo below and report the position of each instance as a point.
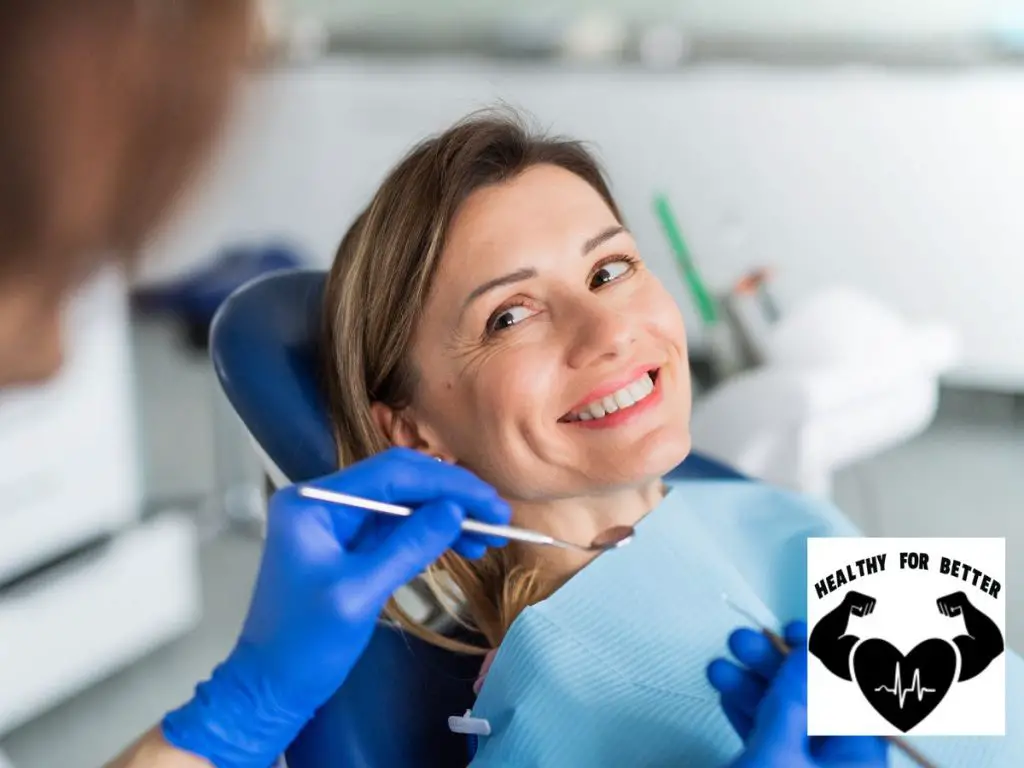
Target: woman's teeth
(629, 395)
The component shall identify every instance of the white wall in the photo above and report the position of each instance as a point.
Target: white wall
(907, 184)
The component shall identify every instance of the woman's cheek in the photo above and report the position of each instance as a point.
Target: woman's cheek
(664, 313)
(526, 385)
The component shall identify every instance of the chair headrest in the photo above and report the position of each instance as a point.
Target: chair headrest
(263, 341)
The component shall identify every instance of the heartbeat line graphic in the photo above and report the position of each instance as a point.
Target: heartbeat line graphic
(898, 689)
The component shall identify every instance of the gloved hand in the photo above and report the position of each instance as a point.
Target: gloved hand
(326, 574)
(742, 686)
(766, 702)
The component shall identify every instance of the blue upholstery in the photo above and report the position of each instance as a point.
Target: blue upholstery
(393, 710)
(263, 343)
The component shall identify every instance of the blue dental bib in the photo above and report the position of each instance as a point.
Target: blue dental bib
(610, 670)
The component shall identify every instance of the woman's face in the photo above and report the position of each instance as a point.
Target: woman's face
(552, 362)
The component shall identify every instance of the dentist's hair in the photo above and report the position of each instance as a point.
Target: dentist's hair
(109, 107)
(375, 293)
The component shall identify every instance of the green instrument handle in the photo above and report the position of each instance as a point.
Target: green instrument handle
(706, 305)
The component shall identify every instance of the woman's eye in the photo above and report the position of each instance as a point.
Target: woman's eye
(610, 271)
(507, 318)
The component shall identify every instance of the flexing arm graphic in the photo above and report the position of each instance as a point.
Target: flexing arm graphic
(983, 641)
(981, 644)
(829, 641)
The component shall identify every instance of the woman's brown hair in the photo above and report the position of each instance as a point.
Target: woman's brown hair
(375, 292)
(108, 108)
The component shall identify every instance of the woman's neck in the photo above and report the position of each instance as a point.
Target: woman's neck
(579, 520)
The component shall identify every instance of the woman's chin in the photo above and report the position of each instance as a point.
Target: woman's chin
(655, 457)
(663, 453)
(596, 468)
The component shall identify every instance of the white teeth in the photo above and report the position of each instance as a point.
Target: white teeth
(641, 389)
(629, 395)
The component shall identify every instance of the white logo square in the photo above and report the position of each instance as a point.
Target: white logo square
(906, 636)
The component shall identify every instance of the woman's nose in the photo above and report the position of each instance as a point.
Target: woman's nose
(600, 333)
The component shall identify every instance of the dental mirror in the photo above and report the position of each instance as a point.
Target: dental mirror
(611, 538)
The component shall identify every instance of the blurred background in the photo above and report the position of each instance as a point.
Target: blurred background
(831, 190)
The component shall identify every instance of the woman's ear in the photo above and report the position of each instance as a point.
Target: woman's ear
(396, 429)
(401, 429)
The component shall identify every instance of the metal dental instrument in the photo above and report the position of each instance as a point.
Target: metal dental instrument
(611, 538)
(784, 648)
(776, 640)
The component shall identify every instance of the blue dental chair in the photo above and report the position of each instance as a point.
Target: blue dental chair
(393, 710)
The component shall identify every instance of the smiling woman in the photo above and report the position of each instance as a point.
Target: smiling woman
(490, 308)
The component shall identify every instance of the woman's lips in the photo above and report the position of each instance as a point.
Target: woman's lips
(620, 406)
(614, 385)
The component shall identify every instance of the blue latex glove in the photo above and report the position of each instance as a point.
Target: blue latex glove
(766, 702)
(742, 686)
(326, 574)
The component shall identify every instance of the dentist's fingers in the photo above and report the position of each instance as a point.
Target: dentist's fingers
(795, 634)
(754, 650)
(741, 692)
(378, 528)
(850, 750)
(491, 542)
(781, 720)
(375, 530)
(741, 722)
(404, 476)
(416, 542)
(407, 478)
(470, 548)
(738, 686)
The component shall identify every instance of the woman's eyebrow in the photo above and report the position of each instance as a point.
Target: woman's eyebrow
(602, 238)
(512, 277)
(529, 272)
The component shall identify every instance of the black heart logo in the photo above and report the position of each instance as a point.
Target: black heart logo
(904, 689)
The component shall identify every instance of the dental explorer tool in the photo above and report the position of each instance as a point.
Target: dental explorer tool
(608, 539)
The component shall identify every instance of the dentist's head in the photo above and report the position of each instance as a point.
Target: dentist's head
(108, 106)
(490, 307)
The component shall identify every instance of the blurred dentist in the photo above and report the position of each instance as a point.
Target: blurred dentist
(109, 107)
